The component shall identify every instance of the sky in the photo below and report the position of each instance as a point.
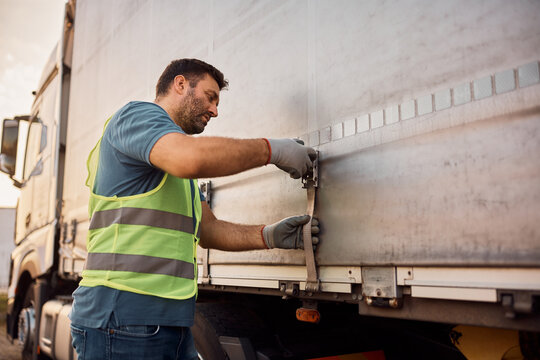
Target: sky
(29, 30)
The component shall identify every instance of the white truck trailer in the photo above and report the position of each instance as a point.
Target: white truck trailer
(426, 115)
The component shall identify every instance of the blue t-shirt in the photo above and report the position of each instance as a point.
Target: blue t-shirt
(125, 169)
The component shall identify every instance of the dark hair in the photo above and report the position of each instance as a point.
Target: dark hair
(193, 70)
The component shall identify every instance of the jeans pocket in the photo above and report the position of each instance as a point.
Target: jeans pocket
(78, 341)
(139, 331)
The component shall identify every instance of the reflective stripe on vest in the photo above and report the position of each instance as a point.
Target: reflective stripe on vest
(141, 216)
(140, 264)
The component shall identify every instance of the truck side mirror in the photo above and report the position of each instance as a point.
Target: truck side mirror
(8, 153)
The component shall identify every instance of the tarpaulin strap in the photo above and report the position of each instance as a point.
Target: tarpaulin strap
(312, 282)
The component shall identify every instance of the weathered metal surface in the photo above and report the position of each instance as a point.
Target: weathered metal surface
(464, 195)
(422, 163)
(379, 282)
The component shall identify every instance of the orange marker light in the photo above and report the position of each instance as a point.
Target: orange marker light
(308, 315)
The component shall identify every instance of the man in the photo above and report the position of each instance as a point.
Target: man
(136, 299)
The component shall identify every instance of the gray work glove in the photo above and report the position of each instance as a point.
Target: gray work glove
(287, 233)
(290, 155)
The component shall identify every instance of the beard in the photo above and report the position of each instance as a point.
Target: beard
(192, 114)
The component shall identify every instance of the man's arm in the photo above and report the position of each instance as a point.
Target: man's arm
(223, 235)
(202, 157)
(206, 157)
(285, 234)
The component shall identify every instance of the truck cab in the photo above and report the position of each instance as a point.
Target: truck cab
(33, 153)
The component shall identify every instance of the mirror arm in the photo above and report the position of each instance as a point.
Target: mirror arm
(16, 183)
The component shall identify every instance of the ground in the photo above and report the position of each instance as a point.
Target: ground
(8, 351)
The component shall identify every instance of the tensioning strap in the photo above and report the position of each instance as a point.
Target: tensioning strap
(311, 182)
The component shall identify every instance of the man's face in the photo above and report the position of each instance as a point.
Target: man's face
(198, 105)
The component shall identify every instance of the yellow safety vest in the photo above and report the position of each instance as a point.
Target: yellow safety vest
(145, 243)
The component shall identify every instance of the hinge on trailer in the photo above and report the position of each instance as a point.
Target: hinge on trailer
(289, 288)
(518, 303)
(310, 182)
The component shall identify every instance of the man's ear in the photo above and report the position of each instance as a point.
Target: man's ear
(180, 84)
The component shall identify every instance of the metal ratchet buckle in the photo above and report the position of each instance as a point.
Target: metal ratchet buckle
(311, 178)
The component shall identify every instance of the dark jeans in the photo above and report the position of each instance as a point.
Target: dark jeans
(133, 342)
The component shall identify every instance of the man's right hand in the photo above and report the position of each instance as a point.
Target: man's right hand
(291, 156)
(287, 233)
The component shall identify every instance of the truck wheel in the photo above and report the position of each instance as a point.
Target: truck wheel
(206, 338)
(26, 325)
(215, 321)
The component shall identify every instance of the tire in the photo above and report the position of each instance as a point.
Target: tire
(206, 338)
(27, 315)
(216, 319)
(25, 336)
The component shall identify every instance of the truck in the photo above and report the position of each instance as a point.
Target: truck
(426, 117)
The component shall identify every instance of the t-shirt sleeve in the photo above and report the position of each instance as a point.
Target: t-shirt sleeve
(138, 127)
